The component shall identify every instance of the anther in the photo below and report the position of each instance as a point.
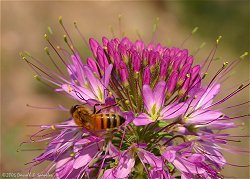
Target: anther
(156, 24)
(72, 154)
(53, 127)
(195, 30)
(46, 49)
(27, 54)
(218, 39)
(188, 75)
(126, 101)
(119, 17)
(75, 24)
(46, 37)
(60, 20)
(244, 55)
(185, 119)
(37, 78)
(191, 137)
(69, 89)
(241, 86)
(21, 54)
(50, 30)
(112, 30)
(204, 76)
(65, 38)
(202, 45)
(225, 64)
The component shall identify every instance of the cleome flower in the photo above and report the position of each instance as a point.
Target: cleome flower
(84, 86)
(150, 112)
(154, 102)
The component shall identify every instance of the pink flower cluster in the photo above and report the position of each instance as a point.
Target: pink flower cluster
(172, 119)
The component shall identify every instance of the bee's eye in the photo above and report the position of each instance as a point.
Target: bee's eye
(73, 109)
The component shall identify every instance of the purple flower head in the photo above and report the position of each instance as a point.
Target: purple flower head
(143, 111)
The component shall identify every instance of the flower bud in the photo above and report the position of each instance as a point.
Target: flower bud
(146, 76)
(92, 64)
(102, 59)
(94, 46)
(171, 84)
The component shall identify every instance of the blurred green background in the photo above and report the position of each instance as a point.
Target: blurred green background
(23, 25)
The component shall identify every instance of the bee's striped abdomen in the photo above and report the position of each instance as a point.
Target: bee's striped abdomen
(107, 121)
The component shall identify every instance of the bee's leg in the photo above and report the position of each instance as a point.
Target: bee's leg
(97, 104)
(110, 106)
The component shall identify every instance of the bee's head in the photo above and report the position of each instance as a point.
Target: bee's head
(80, 110)
(80, 114)
(73, 109)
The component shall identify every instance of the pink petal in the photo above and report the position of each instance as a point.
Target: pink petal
(150, 158)
(214, 155)
(94, 82)
(86, 155)
(108, 174)
(184, 165)
(78, 93)
(159, 94)
(106, 77)
(173, 110)
(142, 119)
(203, 117)
(113, 151)
(126, 164)
(208, 96)
(64, 168)
(169, 155)
(62, 162)
(148, 97)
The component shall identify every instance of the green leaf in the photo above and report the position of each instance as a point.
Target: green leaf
(162, 123)
(165, 134)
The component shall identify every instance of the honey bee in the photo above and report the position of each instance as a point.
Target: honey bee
(95, 121)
